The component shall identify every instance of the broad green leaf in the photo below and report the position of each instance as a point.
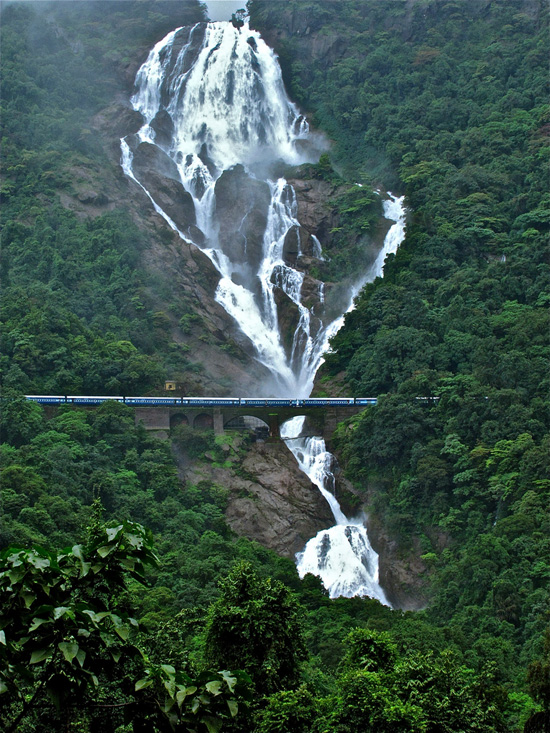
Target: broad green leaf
(180, 697)
(3, 687)
(233, 707)
(168, 669)
(214, 725)
(105, 550)
(29, 598)
(170, 687)
(101, 615)
(81, 656)
(15, 576)
(39, 655)
(128, 562)
(39, 562)
(214, 687)
(135, 540)
(60, 611)
(123, 632)
(142, 684)
(77, 552)
(230, 680)
(108, 639)
(112, 532)
(116, 656)
(69, 650)
(36, 622)
(3, 638)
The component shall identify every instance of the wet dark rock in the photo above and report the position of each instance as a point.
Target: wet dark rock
(196, 235)
(155, 170)
(242, 205)
(149, 157)
(164, 128)
(119, 120)
(289, 317)
(291, 246)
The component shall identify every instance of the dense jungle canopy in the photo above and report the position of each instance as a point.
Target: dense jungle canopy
(445, 102)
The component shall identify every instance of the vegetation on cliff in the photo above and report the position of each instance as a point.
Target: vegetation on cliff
(444, 101)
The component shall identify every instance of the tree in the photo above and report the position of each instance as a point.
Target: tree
(66, 632)
(256, 624)
(538, 677)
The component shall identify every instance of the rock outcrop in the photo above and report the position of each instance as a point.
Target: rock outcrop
(242, 204)
(159, 174)
(270, 499)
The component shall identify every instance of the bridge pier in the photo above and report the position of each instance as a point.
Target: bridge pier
(218, 422)
(274, 431)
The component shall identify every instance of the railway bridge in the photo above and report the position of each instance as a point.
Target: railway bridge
(221, 419)
(263, 416)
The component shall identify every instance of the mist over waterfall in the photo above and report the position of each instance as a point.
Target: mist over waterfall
(218, 122)
(217, 129)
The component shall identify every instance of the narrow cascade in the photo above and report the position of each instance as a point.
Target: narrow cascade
(342, 555)
(217, 125)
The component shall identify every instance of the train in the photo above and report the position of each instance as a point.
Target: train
(203, 401)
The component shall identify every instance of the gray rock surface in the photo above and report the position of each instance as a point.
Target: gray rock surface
(241, 205)
(271, 501)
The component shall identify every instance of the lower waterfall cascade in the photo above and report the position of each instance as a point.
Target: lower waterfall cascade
(216, 115)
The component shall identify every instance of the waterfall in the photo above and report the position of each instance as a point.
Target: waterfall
(217, 126)
(342, 556)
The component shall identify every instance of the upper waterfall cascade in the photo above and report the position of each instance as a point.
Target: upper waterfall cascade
(217, 124)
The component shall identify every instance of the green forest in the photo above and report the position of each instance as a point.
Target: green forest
(128, 604)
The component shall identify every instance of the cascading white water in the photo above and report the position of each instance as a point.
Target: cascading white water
(342, 556)
(212, 99)
(220, 100)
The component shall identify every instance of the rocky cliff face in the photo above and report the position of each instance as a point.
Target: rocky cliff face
(182, 280)
(270, 499)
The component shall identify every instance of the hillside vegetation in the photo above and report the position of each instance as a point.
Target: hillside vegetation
(443, 101)
(447, 103)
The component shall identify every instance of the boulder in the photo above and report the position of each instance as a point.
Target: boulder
(164, 128)
(276, 505)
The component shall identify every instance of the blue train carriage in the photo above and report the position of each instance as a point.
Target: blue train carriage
(268, 402)
(327, 401)
(366, 400)
(91, 400)
(46, 399)
(145, 401)
(211, 401)
(72, 399)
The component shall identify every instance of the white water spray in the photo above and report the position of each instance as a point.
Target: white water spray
(212, 98)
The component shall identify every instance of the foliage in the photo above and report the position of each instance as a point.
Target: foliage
(447, 103)
(378, 692)
(256, 622)
(64, 629)
(78, 310)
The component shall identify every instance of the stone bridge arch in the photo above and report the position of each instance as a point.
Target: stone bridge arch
(248, 423)
(179, 418)
(203, 421)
